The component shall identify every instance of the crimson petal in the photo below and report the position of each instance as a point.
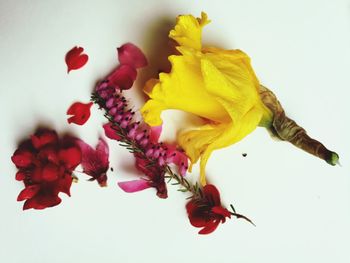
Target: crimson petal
(80, 111)
(71, 157)
(123, 77)
(28, 192)
(212, 194)
(43, 138)
(75, 59)
(110, 132)
(131, 55)
(210, 227)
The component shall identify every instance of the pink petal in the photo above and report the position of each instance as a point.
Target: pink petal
(123, 77)
(155, 132)
(134, 186)
(110, 132)
(102, 152)
(129, 54)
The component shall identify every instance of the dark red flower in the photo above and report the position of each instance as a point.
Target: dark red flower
(80, 111)
(75, 59)
(45, 165)
(129, 54)
(207, 211)
(95, 162)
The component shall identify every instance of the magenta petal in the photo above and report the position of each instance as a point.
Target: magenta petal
(134, 186)
(129, 54)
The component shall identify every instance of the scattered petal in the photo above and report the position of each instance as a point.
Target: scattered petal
(134, 186)
(129, 54)
(123, 77)
(75, 59)
(80, 111)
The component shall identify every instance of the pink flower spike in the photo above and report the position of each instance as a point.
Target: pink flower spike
(123, 77)
(129, 54)
(110, 132)
(95, 162)
(134, 186)
(80, 111)
(75, 59)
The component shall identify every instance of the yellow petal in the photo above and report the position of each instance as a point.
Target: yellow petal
(183, 89)
(188, 30)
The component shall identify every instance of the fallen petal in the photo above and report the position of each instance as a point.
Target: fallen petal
(134, 186)
(75, 59)
(129, 54)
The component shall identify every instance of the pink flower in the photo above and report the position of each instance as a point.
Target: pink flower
(95, 161)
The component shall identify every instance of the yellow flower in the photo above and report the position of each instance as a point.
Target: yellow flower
(215, 84)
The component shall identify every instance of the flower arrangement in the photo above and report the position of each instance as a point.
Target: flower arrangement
(218, 85)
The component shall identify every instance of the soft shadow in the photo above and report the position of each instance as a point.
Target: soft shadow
(157, 46)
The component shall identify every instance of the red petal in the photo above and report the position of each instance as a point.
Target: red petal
(43, 138)
(212, 194)
(71, 157)
(194, 216)
(64, 183)
(28, 192)
(219, 210)
(42, 202)
(123, 77)
(75, 59)
(50, 172)
(20, 176)
(110, 132)
(131, 55)
(22, 158)
(210, 227)
(80, 111)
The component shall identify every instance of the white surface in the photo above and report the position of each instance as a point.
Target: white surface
(301, 206)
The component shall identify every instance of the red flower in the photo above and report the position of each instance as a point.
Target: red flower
(122, 77)
(75, 59)
(207, 211)
(95, 162)
(45, 166)
(80, 111)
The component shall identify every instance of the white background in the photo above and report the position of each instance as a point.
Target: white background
(301, 205)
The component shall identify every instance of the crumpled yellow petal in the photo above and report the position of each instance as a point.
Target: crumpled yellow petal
(239, 98)
(183, 89)
(188, 31)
